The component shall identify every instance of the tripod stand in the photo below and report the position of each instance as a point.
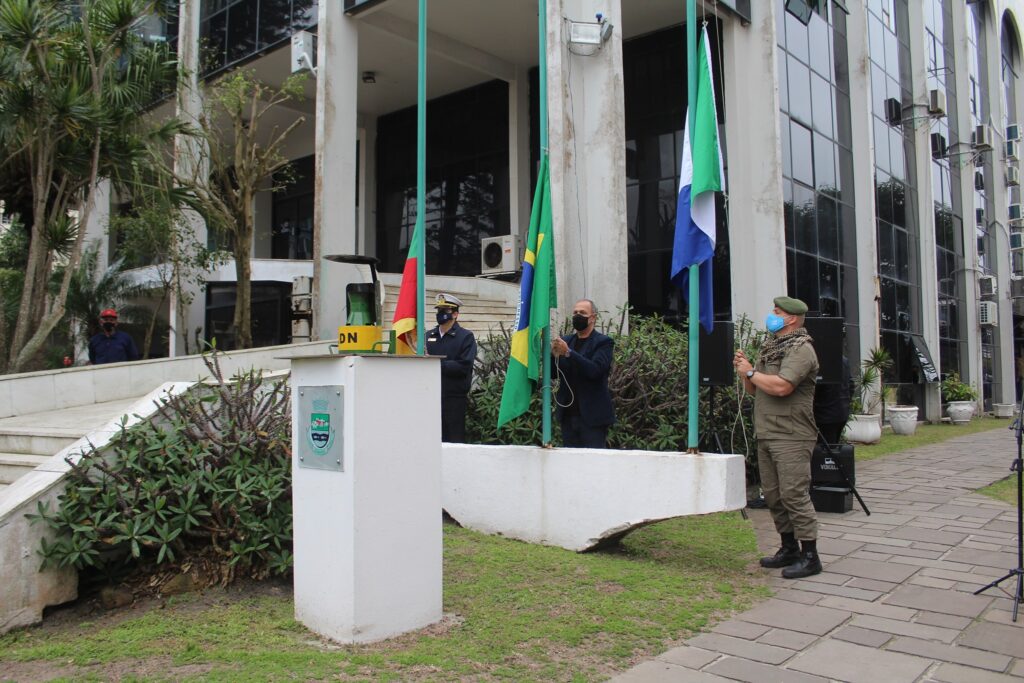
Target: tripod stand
(1018, 467)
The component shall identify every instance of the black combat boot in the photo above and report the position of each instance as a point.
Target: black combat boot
(808, 563)
(787, 554)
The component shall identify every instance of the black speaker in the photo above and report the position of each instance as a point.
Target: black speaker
(716, 351)
(827, 334)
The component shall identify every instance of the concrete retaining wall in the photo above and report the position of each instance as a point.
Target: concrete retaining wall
(33, 392)
(579, 498)
(24, 589)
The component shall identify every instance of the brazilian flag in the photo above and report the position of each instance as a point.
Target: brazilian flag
(537, 297)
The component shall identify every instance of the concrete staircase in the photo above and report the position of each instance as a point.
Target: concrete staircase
(27, 441)
(481, 313)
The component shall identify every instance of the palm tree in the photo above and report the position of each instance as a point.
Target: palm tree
(76, 80)
(92, 290)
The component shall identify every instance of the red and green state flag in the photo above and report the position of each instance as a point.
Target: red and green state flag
(537, 296)
(404, 322)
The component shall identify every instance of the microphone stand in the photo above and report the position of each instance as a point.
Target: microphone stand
(1018, 571)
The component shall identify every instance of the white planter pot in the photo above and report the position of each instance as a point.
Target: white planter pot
(1003, 409)
(960, 412)
(903, 419)
(863, 429)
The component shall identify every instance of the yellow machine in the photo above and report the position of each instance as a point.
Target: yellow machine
(362, 331)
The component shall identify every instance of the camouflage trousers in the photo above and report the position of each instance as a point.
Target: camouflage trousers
(785, 468)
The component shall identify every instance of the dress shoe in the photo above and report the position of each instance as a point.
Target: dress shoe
(807, 564)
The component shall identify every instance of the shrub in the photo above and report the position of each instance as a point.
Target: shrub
(210, 486)
(955, 390)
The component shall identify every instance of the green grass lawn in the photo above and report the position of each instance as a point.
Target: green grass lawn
(517, 612)
(1004, 490)
(926, 434)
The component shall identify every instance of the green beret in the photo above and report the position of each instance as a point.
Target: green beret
(791, 305)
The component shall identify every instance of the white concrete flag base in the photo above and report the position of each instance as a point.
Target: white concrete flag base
(578, 498)
(367, 537)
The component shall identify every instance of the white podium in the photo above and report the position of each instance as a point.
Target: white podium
(366, 494)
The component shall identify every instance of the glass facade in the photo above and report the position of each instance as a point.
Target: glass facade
(817, 164)
(896, 219)
(945, 175)
(231, 31)
(291, 233)
(467, 179)
(654, 82)
(271, 313)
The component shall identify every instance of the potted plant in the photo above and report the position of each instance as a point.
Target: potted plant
(865, 425)
(961, 399)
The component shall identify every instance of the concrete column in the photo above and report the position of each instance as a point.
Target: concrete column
(1002, 366)
(967, 277)
(187, 154)
(757, 232)
(520, 192)
(587, 136)
(928, 269)
(861, 128)
(334, 222)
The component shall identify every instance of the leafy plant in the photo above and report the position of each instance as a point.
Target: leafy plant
(868, 392)
(209, 487)
(953, 389)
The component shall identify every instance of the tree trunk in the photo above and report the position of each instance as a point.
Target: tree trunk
(36, 259)
(147, 342)
(243, 298)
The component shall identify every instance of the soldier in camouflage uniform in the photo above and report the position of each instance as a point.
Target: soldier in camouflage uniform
(782, 382)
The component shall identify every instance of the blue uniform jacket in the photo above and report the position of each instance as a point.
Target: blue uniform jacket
(116, 348)
(459, 350)
(586, 370)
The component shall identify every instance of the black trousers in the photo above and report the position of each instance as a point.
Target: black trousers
(575, 434)
(453, 419)
(831, 432)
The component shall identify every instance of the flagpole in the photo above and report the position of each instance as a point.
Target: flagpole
(693, 438)
(421, 176)
(542, 30)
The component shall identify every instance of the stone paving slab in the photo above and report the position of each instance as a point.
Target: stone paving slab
(843, 661)
(895, 602)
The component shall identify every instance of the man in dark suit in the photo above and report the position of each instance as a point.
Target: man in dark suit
(584, 361)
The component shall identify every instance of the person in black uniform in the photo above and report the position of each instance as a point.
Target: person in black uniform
(111, 345)
(584, 362)
(832, 406)
(458, 346)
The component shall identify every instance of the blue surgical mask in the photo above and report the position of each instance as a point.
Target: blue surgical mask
(774, 323)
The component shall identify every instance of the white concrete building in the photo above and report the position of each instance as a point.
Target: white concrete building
(868, 145)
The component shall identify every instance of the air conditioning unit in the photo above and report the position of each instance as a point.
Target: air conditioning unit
(1012, 150)
(302, 284)
(1012, 176)
(938, 145)
(1013, 132)
(979, 180)
(988, 313)
(937, 102)
(986, 285)
(1017, 288)
(1014, 212)
(982, 139)
(501, 255)
(893, 111)
(979, 216)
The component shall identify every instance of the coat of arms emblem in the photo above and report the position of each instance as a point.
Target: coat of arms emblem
(321, 433)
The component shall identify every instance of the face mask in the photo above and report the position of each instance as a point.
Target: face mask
(774, 323)
(580, 322)
(109, 327)
(443, 317)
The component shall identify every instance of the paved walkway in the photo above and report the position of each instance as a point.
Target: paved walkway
(894, 603)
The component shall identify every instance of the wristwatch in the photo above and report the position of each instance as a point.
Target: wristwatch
(750, 374)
